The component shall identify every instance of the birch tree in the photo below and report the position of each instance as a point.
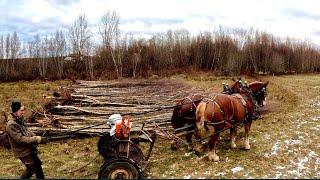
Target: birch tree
(1, 47)
(110, 34)
(7, 53)
(79, 35)
(59, 42)
(15, 45)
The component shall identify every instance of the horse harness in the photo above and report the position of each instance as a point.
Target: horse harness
(225, 121)
(192, 105)
(254, 98)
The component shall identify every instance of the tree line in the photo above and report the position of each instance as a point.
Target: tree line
(74, 54)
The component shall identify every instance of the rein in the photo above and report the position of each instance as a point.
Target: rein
(236, 125)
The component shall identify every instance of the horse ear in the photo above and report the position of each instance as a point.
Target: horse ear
(239, 78)
(266, 84)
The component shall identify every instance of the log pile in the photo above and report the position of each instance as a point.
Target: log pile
(78, 108)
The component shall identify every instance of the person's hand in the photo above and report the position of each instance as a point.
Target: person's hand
(38, 138)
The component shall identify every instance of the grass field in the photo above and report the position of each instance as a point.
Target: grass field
(284, 143)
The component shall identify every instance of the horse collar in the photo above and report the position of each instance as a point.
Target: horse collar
(244, 103)
(192, 103)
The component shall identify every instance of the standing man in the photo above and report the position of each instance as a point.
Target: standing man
(24, 143)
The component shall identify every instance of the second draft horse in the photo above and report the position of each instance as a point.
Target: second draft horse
(226, 112)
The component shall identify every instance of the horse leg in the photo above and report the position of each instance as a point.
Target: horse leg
(233, 133)
(189, 141)
(247, 130)
(174, 145)
(212, 145)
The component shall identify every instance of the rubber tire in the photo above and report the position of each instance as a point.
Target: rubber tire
(121, 165)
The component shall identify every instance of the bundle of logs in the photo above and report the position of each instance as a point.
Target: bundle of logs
(83, 108)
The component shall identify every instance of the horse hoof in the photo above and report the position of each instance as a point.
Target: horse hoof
(198, 153)
(214, 158)
(190, 148)
(174, 148)
(247, 147)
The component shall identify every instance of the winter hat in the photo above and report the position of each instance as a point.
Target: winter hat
(15, 106)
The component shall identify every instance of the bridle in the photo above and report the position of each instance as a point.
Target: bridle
(260, 95)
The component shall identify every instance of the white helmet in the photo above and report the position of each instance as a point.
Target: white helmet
(114, 118)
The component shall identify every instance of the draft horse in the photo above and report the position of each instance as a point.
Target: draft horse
(225, 111)
(184, 115)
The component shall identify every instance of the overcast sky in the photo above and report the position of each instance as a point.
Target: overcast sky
(283, 18)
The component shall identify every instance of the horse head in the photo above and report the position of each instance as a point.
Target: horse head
(235, 87)
(230, 89)
(259, 90)
(176, 121)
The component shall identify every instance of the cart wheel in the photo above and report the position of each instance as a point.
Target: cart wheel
(119, 169)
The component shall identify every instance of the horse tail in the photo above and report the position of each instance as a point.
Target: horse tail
(200, 118)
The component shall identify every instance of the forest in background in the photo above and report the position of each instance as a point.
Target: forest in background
(74, 53)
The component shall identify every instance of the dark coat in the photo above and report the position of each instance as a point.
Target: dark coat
(22, 141)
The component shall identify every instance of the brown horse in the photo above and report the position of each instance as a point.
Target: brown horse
(184, 115)
(259, 91)
(228, 111)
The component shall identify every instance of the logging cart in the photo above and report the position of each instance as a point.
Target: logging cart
(125, 157)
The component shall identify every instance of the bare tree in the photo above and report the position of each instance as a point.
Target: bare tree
(38, 49)
(79, 35)
(136, 59)
(1, 47)
(60, 50)
(7, 51)
(89, 51)
(7, 46)
(110, 33)
(15, 45)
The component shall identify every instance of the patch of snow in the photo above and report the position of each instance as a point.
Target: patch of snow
(280, 167)
(292, 142)
(317, 128)
(312, 154)
(236, 169)
(266, 136)
(278, 175)
(300, 165)
(293, 172)
(274, 149)
(187, 177)
(221, 174)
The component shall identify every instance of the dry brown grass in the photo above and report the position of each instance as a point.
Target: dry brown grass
(284, 143)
